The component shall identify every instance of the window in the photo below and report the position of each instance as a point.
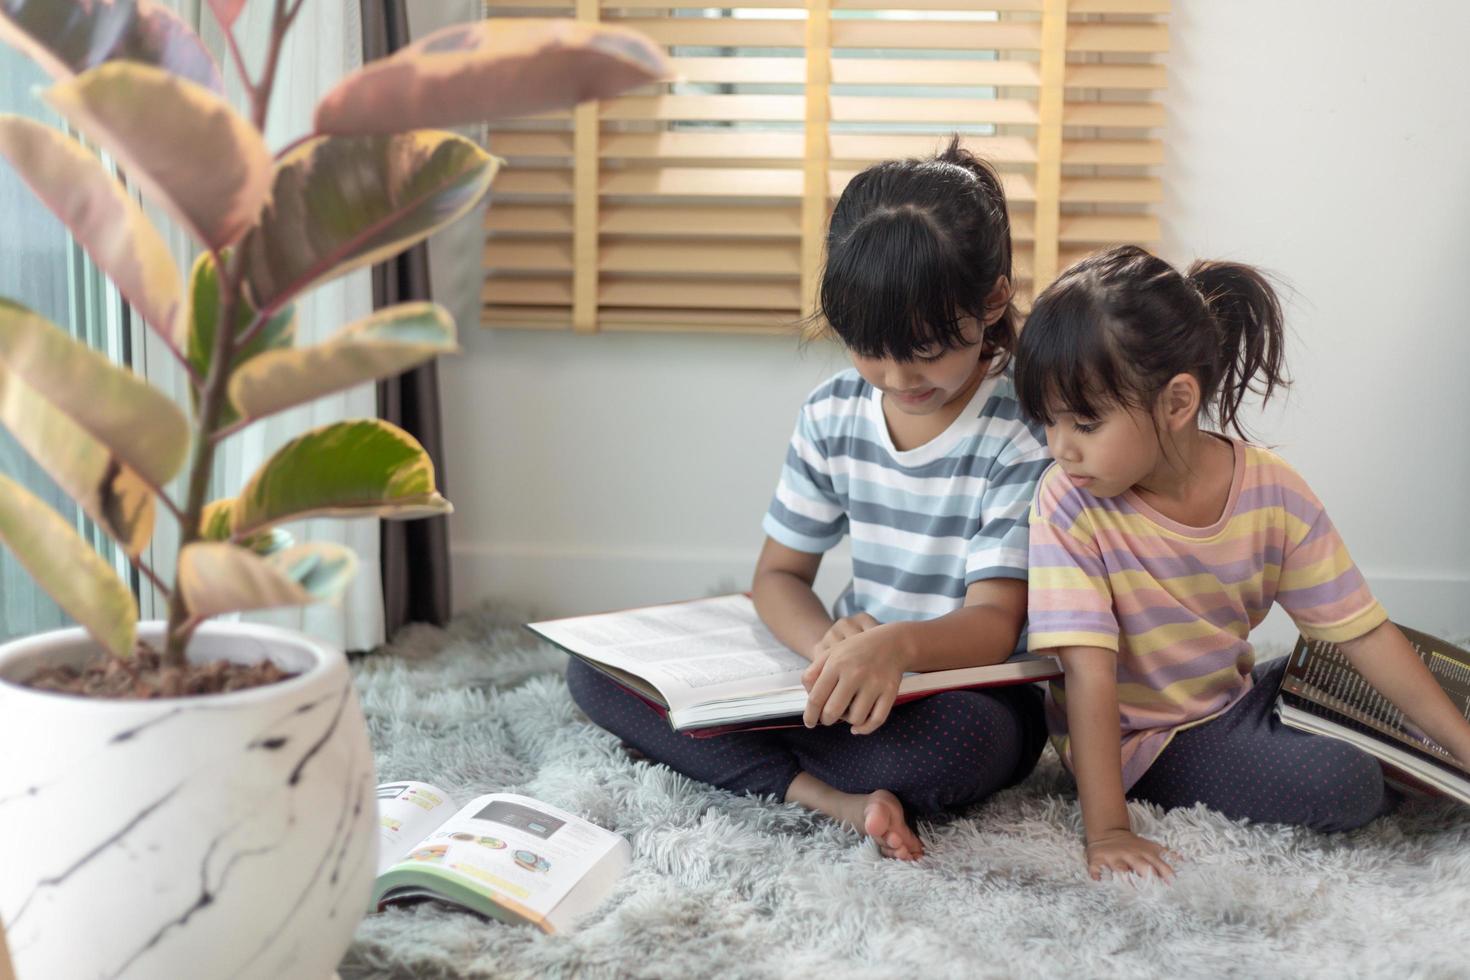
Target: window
(41, 267)
(701, 205)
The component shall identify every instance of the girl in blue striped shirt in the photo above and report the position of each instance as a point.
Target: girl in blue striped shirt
(920, 454)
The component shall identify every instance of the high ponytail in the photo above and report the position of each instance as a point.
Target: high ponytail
(1251, 330)
(1117, 326)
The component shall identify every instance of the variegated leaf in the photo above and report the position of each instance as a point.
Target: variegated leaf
(101, 217)
(217, 578)
(389, 342)
(66, 37)
(137, 423)
(204, 311)
(342, 202)
(184, 145)
(361, 468)
(108, 490)
(494, 69)
(67, 569)
(226, 11)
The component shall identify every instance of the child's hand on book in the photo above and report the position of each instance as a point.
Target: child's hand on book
(1125, 851)
(855, 678)
(842, 629)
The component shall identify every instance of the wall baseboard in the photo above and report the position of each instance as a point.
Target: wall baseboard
(565, 582)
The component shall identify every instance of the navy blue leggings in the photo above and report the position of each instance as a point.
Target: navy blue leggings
(1248, 765)
(940, 753)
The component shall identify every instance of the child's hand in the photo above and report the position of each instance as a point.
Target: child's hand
(857, 679)
(1124, 850)
(836, 633)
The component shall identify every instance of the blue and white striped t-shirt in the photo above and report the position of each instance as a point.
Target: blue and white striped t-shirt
(927, 522)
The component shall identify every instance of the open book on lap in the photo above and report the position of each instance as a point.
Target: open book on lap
(1321, 692)
(711, 665)
(503, 856)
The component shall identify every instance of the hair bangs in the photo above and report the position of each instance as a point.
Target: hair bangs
(1065, 361)
(895, 288)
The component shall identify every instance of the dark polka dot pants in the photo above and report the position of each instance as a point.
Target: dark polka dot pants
(941, 753)
(1247, 764)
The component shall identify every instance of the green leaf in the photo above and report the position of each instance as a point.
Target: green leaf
(220, 578)
(342, 202)
(387, 343)
(204, 308)
(494, 69)
(109, 491)
(100, 215)
(67, 38)
(140, 425)
(215, 523)
(360, 468)
(83, 585)
(184, 145)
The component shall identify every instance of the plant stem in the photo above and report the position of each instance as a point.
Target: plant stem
(151, 575)
(210, 404)
(239, 60)
(224, 432)
(181, 625)
(163, 498)
(189, 369)
(281, 23)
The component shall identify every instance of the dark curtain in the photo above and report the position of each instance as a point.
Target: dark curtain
(415, 554)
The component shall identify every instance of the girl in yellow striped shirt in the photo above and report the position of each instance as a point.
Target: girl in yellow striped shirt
(1156, 546)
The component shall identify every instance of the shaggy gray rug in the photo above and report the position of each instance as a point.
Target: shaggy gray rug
(730, 887)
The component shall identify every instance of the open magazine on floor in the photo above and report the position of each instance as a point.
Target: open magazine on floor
(1322, 692)
(503, 856)
(711, 665)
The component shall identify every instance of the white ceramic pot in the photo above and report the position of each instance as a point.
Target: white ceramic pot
(228, 835)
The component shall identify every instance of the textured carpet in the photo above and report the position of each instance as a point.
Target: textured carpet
(730, 887)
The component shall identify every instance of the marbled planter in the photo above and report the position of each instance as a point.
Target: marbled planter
(227, 835)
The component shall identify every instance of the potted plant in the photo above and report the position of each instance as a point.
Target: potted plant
(189, 797)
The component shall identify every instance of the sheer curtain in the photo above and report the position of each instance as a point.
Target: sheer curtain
(43, 269)
(324, 44)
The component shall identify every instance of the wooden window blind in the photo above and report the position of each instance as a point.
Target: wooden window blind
(701, 204)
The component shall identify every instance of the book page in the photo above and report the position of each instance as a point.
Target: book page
(407, 813)
(519, 852)
(692, 652)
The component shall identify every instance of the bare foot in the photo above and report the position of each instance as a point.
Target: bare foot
(877, 814)
(883, 821)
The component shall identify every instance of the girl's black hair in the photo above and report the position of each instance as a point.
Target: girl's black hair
(913, 247)
(1114, 328)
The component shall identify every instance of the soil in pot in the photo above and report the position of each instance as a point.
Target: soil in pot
(145, 675)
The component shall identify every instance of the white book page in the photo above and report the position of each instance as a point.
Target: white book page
(525, 853)
(693, 652)
(1445, 782)
(408, 812)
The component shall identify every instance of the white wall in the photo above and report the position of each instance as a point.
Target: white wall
(1341, 160)
(594, 472)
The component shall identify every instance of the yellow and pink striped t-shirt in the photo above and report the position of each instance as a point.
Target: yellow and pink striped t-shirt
(1177, 603)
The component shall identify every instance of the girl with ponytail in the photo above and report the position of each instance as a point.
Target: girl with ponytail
(1157, 545)
(919, 454)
